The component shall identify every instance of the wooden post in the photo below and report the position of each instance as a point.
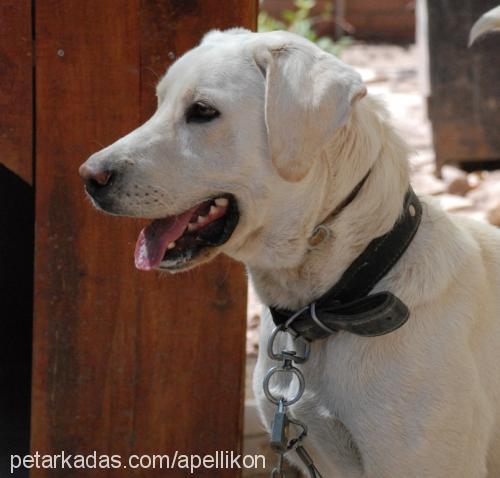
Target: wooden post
(16, 87)
(124, 362)
(16, 226)
(463, 106)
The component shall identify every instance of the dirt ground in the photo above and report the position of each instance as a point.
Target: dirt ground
(391, 74)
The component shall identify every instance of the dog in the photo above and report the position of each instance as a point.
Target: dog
(256, 138)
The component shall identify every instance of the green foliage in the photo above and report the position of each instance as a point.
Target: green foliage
(301, 21)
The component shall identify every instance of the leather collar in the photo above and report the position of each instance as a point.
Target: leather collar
(321, 231)
(347, 305)
(349, 199)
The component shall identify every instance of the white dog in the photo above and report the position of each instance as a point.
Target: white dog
(256, 139)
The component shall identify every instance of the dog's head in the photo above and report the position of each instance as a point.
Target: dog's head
(225, 163)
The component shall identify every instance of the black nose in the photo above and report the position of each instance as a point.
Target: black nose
(99, 182)
(96, 186)
(96, 179)
(100, 179)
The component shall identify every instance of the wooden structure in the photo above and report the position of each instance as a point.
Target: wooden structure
(381, 21)
(16, 226)
(465, 93)
(124, 362)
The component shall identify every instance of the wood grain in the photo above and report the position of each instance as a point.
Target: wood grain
(16, 226)
(125, 362)
(16, 88)
(465, 93)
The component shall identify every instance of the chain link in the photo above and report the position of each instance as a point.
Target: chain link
(280, 443)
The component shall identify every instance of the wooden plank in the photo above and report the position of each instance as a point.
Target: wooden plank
(124, 362)
(465, 93)
(16, 87)
(170, 28)
(16, 226)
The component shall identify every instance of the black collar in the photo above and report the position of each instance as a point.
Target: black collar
(347, 305)
(349, 199)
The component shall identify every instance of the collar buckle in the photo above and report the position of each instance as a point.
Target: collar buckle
(297, 356)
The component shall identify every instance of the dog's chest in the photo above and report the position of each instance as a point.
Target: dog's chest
(329, 440)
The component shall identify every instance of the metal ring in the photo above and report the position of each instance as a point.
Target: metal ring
(318, 322)
(278, 369)
(281, 355)
(270, 343)
(277, 473)
(294, 316)
(315, 239)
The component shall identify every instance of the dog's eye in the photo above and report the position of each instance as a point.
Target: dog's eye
(201, 113)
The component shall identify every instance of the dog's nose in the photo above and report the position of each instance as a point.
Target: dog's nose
(95, 174)
(95, 177)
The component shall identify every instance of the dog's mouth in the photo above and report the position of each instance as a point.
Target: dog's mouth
(172, 242)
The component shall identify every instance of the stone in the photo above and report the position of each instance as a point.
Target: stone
(459, 186)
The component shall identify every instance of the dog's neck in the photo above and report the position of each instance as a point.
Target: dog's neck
(367, 141)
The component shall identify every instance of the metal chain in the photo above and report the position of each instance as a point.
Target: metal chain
(280, 442)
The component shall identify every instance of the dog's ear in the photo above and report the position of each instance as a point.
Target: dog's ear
(309, 95)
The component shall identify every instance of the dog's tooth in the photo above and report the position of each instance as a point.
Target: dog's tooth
(213, 210)
(171, 245)
(192, 226)
(222, 202)
(201, 219)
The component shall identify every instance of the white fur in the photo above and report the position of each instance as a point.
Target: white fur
(423, 401)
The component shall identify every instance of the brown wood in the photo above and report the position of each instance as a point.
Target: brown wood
(125, 362)
(16, 226)
(383, 20)
(16, 87)
(465, 92)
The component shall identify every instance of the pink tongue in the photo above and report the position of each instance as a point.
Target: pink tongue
(155, 238)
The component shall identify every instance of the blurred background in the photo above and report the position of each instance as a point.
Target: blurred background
(443, 97)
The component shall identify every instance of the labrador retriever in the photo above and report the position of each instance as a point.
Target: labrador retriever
(256, 138)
